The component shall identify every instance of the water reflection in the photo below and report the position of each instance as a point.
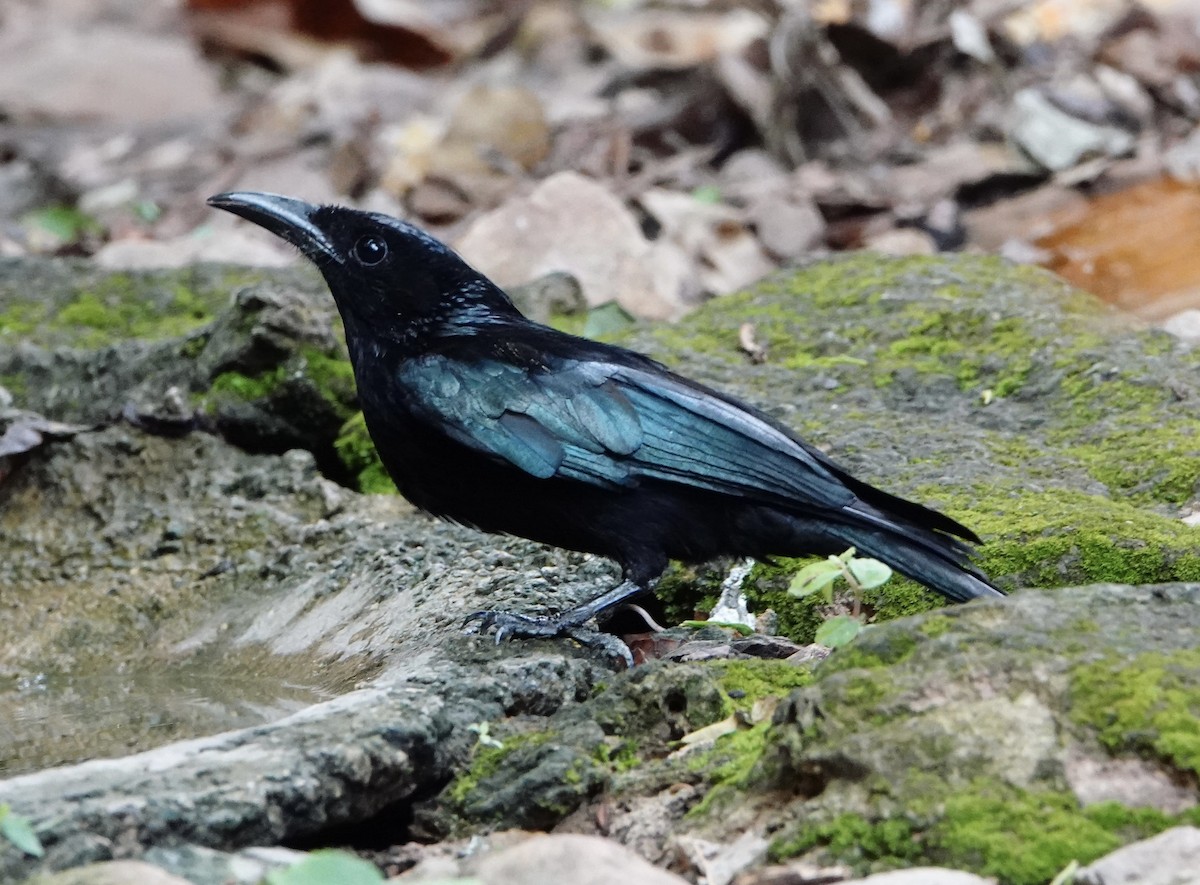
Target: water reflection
(56, 719)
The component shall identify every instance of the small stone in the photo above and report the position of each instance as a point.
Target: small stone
(1170, 858)
(1184, 325)
(902, 241)
(572, 224)
(580, 860)
(787, 227)
(1058, 140)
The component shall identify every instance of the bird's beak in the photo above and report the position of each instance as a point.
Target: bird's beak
(283, 216)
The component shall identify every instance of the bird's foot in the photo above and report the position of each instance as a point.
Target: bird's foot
(513, 626)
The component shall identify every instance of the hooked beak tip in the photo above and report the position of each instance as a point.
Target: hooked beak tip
(286, 217)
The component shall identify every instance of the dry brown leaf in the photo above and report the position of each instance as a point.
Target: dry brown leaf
(756, 350)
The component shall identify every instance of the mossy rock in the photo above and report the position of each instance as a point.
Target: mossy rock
(1028, 410)
(73, 303)
(1008, 739)
(533, 773)
(251, 353)
(1022, 407)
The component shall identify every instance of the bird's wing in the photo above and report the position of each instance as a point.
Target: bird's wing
(692, 436)
(614, 425)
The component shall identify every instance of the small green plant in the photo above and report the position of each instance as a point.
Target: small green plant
(607, 319)
(17, 830)
(325, 866)
(859, 572)
(64, 224)
(485, 736)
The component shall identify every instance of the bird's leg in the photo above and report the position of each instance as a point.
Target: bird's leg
(569, 623)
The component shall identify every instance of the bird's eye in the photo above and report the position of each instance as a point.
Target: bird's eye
(369, 251)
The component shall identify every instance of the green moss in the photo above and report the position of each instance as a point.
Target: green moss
(1150, 705)
(745, 682)
(21, 318)
(732, 762)
(488, 761)
(1022, 838)
(250, 388)
(114, 310)
(1060, 537)
(193, 346)
(72, 304)
(872, 649)
(1148, 463)
(854, 840)
(863, 691)
(1133, 824)
(935, 626)
(957, 335)
(332, 376)
(1126, 431)
(307, 371)
(88, 310)
(801, 359)
(687, 591)
(533, 781)
(618, 755)
(357, 452)
(15, 383)
(899, 598)
(728, 767)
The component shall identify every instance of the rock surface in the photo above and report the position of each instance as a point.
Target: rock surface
(159, 587)
(1170, 858)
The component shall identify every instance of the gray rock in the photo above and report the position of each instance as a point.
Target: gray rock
(1184, 325)
(328, 765)
(586, 860)
(1058, 140)
(1170, 858)
(788, 226)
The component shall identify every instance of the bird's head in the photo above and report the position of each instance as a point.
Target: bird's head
(390, 279)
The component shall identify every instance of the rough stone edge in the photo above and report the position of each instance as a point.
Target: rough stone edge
(336, 762)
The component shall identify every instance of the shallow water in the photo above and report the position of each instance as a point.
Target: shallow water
(57, 719)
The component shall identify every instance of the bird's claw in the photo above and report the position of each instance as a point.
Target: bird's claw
(513, 626)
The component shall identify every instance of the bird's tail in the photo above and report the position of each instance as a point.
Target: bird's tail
(935, 559)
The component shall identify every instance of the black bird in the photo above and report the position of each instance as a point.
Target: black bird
(486, 418)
